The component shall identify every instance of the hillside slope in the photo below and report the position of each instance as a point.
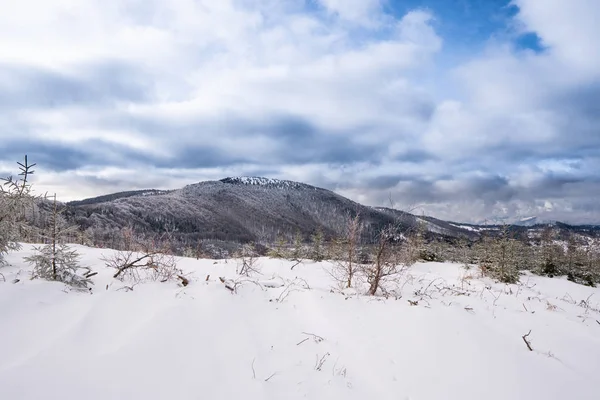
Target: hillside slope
(240, 210)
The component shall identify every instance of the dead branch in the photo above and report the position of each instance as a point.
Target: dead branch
(302, 341)
(320, 362)
(184, 281)
(527, 341)
(131, 264)
(272, 375)
(298, 262)
(316, 338)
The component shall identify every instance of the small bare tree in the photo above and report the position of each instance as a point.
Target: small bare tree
(15, 199)
(389, 260)
(248, 260)
(346, 263)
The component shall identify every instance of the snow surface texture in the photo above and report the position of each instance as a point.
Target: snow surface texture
(277, 339)
(267, 182)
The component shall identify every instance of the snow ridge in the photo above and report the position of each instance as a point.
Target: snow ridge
(261, 181)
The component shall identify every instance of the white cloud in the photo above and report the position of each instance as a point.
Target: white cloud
(249, 87)
(358, 11)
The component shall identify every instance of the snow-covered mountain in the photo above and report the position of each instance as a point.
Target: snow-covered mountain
(243, 209)
(238, 209)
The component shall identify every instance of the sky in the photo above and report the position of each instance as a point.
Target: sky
(467, 110)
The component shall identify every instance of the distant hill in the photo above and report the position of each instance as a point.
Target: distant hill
(239, 209)
(254, 209)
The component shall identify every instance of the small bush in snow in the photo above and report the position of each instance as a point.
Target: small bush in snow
(248, 260)
(144, 266)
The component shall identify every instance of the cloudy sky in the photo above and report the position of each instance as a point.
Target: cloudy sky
(465, 109)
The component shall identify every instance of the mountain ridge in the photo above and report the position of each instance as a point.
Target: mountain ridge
(254, 209)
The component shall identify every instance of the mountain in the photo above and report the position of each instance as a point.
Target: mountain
(238, 209)
(253, 209)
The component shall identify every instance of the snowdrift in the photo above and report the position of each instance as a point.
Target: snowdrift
(290, 334)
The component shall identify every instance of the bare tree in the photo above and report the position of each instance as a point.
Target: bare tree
(15, 199)
(346, 263)
(390, 259)
(248, 260)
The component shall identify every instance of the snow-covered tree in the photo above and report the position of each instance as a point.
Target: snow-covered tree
(15, 198)
(56, 260)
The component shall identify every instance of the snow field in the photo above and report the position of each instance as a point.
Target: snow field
(276, 339)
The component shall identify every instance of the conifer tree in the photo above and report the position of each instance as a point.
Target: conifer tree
(56, 260)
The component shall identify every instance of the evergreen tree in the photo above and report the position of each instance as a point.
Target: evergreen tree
(56, 260)
(317, 245)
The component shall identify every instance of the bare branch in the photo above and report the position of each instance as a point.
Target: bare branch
(527, 341)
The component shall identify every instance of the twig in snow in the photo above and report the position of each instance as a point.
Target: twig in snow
(316, 338)
(184, 281)
(598, 322)
(527, 341)
(272, 375)
(253, 371)
(299, 343)
(298, 262)
(525, 307)
(320, 362)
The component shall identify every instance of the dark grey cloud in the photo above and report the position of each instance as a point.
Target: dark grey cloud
(57, 156)
(25, 87)
(198, 142)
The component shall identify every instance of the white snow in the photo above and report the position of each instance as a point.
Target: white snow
(467, 227)
(261, 181)
(463, 339)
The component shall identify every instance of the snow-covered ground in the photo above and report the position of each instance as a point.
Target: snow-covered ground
(277, 339)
